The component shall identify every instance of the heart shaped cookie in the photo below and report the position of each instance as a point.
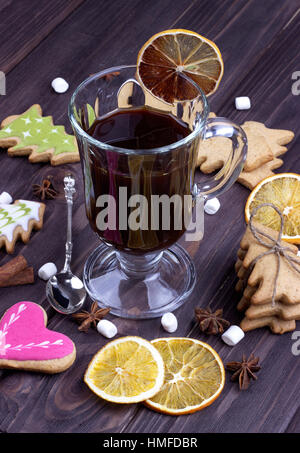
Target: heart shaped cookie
(26, 343)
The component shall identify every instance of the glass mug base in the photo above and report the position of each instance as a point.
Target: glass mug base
(135, 289)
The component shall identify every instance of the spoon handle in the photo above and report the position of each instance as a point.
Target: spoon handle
(69, 186)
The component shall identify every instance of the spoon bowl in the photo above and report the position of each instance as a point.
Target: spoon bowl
(65, 292)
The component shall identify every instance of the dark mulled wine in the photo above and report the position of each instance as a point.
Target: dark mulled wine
(142, 172)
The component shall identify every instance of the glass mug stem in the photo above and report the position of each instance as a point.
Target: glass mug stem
(138, 266)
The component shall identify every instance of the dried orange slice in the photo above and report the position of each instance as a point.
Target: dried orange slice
(282, 190)
(170, 56)
(126, 370)
(194, 376)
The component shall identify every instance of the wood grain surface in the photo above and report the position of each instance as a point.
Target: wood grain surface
(41, 40)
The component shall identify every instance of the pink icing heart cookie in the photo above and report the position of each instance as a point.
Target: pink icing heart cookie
(26, 343)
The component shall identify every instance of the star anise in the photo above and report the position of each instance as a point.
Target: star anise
(45, 190)
(244, 370)
(209, 322)
(90, 318)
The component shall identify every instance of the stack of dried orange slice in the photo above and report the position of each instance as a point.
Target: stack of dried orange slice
(171, 375)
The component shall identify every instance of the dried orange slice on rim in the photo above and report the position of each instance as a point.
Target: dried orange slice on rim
(283, 191)
(169, 56)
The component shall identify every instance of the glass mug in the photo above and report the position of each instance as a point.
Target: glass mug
(140, 201)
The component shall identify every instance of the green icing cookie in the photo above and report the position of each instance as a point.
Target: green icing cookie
(24, 215)
(38, 135)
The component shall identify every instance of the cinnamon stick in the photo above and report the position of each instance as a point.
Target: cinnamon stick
(11, 269)
(24, 277)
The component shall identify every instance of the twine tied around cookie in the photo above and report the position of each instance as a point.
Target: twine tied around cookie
(274, 247)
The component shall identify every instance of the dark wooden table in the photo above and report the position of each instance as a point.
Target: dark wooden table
(41, 40)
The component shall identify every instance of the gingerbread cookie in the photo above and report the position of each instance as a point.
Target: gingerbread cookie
(18, 220)
(31, 134)
(265, 145)
(213, 153)
(262, 307)
(262, 275)
(259, 152)
(26, 343)
(276, 325)
(279, 309)
(250, 179)
(275, 138)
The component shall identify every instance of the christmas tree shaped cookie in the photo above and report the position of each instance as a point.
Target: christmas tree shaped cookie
(259, 274)
(265, 145)
(31, 134)
(18, 220)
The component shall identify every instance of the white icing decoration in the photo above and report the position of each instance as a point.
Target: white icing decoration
(17, 217)
(27, 134)
(44, 344)
(27, 120)
(4, 346)
(3, 332)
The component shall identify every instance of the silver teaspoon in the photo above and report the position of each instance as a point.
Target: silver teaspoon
(64, 290)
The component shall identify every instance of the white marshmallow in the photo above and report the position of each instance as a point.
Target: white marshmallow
(107, 328)
(242, 103)
(60, 85)
(5, 198)
(47, 271)
(212, 206)
(233, 335)
(169, 322)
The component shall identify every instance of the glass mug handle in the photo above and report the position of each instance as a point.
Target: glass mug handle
(224, 179)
